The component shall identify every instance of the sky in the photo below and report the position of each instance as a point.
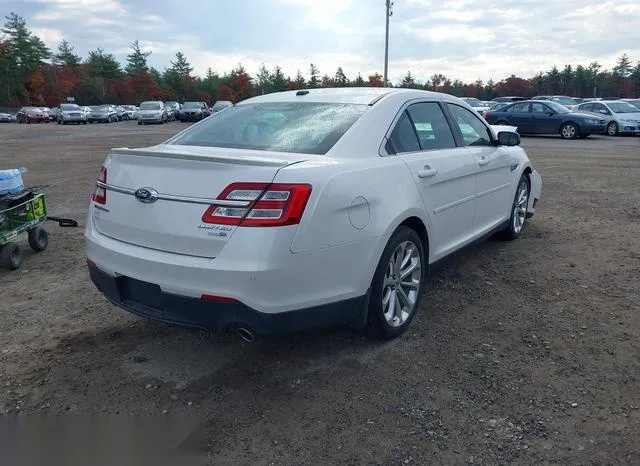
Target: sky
(464, 39)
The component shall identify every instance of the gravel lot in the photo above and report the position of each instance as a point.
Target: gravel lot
(524, 352)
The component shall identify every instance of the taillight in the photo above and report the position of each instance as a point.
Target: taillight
(486, 115)
(266, 205)
(100, 194)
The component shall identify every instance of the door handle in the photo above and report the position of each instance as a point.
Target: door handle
(483, 161)
(427, 172)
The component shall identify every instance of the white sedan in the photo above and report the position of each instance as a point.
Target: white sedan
(304, 209)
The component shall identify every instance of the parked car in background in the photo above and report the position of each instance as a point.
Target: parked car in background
(103, 114)
(634, 102)
(304, 209)
(6, 118)
(547, 117)
(71, 113)
(477, 104)
(32, 115)
(173, 110)
(152, 111)
(51, 113)
(194, 111)
(568, 102)
(221, 105)
(131, 111)
(621, 117)
(87, 111)
(509, 99)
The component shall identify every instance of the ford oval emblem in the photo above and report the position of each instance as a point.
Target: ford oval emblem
(146, 195)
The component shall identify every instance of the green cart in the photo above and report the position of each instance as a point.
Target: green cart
(21, 215)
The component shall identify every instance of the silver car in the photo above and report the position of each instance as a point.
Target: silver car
(152, 111)
(71, 113)
(622, 117)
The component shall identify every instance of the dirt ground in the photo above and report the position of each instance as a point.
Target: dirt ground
(523, 353)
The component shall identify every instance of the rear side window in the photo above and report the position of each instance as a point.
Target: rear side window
(518, 108)
(403, 137)
(474, 132)
(300, 127)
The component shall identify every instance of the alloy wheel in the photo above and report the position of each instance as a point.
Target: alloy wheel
(520, 206)
(401, 284)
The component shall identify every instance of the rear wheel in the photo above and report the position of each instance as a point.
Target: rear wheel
(10, 256)
(569, 131)
(518, 209)
(38, 239)
(612, 128)
(397, 285)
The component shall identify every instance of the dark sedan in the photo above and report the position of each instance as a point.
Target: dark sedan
(194, 111)
(547, 117)
(31, 115)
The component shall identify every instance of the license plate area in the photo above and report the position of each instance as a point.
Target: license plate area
(139, 292)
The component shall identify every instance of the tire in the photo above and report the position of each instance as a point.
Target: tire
(569, 131)
(612, 129)
(387, 290)
(10, 256)
(139, 123)
(38, 239)
(518, 215)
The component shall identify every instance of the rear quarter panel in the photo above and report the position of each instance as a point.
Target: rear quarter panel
(352, 200)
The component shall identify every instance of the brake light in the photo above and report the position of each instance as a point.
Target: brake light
(100, 194)
(486, 115)
(268, 205)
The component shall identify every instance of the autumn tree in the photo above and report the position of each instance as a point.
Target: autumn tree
(375, 80)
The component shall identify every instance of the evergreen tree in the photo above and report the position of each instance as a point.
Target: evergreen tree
(300, 81)
(340, 79)
(408, 81)
(181, 66)
(278, 81)
(314, 77)
(263, 80)
(137, 60)
(66, 55)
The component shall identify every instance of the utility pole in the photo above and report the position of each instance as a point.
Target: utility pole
(388, 14)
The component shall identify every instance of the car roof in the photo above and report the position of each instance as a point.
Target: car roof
(347, 95)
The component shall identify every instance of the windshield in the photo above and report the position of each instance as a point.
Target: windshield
(557, 107)
(70, 107)
(473, 102)
(192, 105)
(150, 106)
(623, 107)
(564, 100)
(307, 128)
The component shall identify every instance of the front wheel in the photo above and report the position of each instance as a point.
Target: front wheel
(10, 256)
(397, 285)
(612, 128)
(569, 131)
(518, 209)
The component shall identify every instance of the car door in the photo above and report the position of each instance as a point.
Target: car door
(544, 119)
(493, 169)
(443, 173)
(520, 116)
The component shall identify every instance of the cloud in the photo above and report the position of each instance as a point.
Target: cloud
(463, 39)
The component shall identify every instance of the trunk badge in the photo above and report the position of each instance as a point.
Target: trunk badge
(146, 195)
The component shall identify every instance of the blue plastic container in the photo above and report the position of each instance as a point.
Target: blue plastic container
(11, 180)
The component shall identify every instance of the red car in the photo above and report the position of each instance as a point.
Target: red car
(32, 115)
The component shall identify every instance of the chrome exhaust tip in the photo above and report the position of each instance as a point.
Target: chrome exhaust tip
(246, 334)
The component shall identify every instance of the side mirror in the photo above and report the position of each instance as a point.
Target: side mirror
(508, 138)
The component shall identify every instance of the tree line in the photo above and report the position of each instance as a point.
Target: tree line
(32, 74)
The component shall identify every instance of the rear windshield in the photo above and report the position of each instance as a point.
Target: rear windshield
(192, 105)
(307, 128)
(149, 106)
(70, 107)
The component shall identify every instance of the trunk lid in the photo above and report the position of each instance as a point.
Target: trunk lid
(186, 180)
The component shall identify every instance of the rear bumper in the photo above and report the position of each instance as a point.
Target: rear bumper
(148, 300)
(536, 192)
